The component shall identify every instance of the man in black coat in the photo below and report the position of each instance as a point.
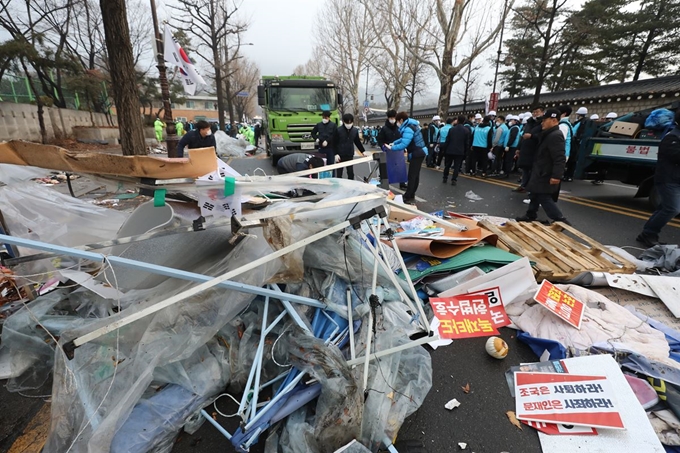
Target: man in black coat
(667, 185)
(389, 133)
(201, 137)
(458, 141)
(345, 139)
(323, 134)
(528, 147)
(548, 170)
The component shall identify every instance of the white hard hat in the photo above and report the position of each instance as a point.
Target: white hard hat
(436, 118)
(478, 116)
(492, 113)
(582, 111)
(527, 114)
(611, 115)
(509, 117)
(594, 116)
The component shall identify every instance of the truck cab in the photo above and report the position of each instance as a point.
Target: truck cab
(292, 106)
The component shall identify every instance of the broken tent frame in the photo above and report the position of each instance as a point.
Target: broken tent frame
(256, 420)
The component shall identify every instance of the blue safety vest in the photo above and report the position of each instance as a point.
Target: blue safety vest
(515, 143)
(567, 141)
(481, 137)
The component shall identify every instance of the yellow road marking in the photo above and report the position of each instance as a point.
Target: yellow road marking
(34, 436)
(616, 209)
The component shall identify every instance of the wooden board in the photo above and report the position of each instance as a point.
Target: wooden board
(560, 251)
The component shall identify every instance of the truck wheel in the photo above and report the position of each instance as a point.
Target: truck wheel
(654, 198)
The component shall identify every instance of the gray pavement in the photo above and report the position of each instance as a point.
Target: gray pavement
(607, 213)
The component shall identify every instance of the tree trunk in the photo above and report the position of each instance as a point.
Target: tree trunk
(444, 94)
(221, 86)
(38, 103)
(122, 68)
(230, 103)
(648, 42)
(544, 55)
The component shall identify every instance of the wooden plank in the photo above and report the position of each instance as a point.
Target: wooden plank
(575, 249)
(557, 255)
(562, 259)
(627, 268)
(34, 436)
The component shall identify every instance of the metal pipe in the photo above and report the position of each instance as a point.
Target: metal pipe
(153, 269)
(350, 310)
(215, 424)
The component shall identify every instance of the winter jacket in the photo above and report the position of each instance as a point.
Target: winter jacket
(158, 125)
(549, 163)
(444, 132)
(458, 141)
(482, 136)
(568, 132)
(432, 135)
(345, 140)
(193, 140)
(389, 133)
(513, 137)
(528, 146)
(410, 140)
(668, 164)
(501, 135)
(324, 132)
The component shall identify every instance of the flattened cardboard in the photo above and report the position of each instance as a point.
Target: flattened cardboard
(200, 161)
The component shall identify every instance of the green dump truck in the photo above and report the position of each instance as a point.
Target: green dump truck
(292, 106)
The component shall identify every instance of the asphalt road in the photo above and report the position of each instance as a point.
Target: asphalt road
(607, 213)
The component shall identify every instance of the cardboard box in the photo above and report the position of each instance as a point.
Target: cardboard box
(623, 128)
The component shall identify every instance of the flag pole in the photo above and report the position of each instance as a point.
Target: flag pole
(171, 133)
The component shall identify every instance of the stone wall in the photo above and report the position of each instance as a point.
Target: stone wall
(20, 121)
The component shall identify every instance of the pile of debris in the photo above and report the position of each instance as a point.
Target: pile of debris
(300, 307)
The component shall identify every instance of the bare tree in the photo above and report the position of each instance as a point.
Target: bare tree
(345, 41)
(398, 25)
(212, 22)
(244, 79)
(468, 88)
(123, 79)
(448, 23)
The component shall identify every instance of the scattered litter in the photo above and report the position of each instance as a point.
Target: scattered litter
(451, 405)
(496, 348)
(513, 419)
(470, 195)
(466, 388)
(462, 445)
(230, 147)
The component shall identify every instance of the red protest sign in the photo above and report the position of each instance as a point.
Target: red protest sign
(467, 316)
(560, 429)
(566, 398)
(499, 317)
(562, 304)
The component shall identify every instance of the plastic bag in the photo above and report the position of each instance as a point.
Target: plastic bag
(228, 146)
(339, 408)
(659, 119)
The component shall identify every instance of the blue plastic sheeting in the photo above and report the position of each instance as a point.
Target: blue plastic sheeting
(539, 345)
(672, 335)
(156, 418)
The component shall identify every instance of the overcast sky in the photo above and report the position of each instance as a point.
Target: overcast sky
(282, 33)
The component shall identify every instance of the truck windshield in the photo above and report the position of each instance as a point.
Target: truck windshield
(302, 99)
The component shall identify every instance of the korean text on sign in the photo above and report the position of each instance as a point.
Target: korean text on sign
(464, 316)
(560, 303)
(566, 398)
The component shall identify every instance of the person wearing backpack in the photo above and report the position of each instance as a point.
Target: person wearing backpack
(412, 141)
